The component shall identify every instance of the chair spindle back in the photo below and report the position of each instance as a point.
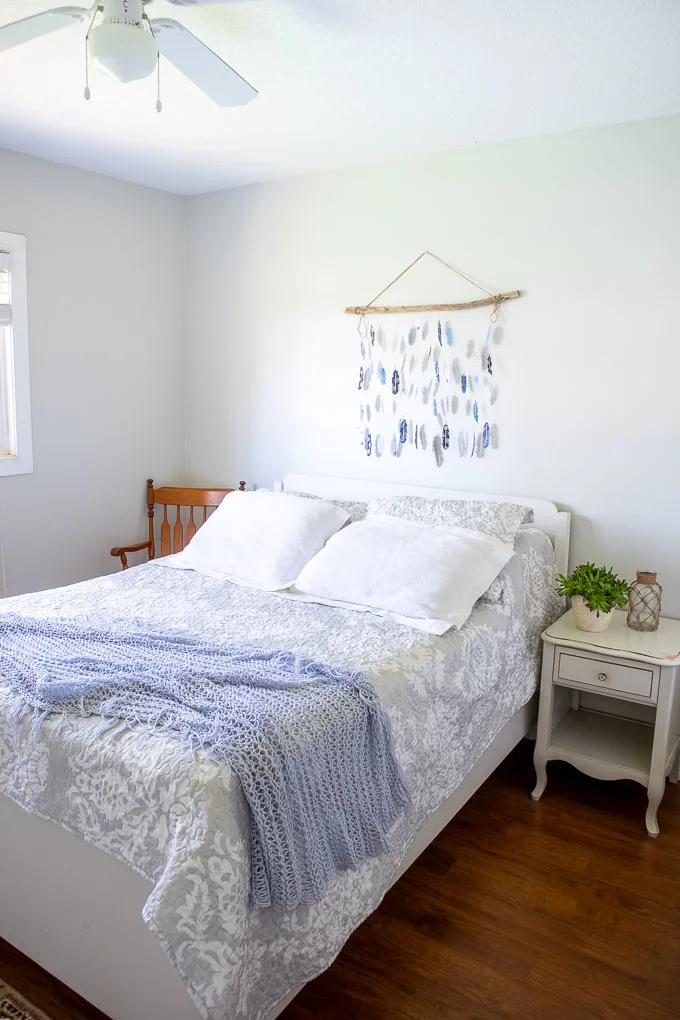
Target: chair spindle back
(174, 537)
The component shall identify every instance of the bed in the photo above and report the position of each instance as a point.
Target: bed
(125, 862)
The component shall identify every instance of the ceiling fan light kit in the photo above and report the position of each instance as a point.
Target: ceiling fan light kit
(127, 46)
(121, 46)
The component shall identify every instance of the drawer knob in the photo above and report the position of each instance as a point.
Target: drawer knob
(602, 677)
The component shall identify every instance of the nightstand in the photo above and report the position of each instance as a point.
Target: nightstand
(610, 704)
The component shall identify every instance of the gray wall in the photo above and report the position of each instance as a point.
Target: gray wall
(106, 303)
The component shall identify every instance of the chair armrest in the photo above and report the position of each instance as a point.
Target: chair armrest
(122, 550)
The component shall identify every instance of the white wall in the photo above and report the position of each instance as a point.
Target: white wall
(586, 224)
(106, 284)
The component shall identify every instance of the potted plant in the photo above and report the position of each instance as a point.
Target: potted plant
(594, 592)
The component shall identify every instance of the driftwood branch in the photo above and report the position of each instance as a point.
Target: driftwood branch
(495, 299)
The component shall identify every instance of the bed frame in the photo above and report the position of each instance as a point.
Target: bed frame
(77, 911)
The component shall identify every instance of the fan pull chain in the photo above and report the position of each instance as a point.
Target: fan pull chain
(86, 91)
(159, 105)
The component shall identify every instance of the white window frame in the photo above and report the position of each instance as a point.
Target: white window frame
(14, 370)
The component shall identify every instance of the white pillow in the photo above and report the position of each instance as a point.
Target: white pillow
(260, 539)
(427, 577)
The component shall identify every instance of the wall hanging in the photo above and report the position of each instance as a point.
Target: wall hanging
(423, 384)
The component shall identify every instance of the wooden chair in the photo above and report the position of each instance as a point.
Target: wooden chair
(178, 497)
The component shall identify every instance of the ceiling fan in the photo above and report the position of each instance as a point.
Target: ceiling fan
(127, 45)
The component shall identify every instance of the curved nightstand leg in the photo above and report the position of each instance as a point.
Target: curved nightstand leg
(655, 795)
(650, 817)
(541, 777)
(544, 723)
(666, 720)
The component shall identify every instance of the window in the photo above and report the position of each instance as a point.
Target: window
(16, 453)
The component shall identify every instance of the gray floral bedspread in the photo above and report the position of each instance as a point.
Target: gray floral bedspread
(181, 820)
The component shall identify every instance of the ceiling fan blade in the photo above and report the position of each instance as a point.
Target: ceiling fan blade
(200, 65)
(19, 32)
(201, 3)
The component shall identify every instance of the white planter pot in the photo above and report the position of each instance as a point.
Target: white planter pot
(586, 619)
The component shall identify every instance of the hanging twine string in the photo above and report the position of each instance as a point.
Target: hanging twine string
(363, 319)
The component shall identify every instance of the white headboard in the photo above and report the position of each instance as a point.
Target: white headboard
(555, 523)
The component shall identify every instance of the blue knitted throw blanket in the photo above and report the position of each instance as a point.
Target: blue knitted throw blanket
(310, 743)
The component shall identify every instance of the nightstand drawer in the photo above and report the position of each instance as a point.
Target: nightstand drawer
(578, 670)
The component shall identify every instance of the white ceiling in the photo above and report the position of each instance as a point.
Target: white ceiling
(342, 83)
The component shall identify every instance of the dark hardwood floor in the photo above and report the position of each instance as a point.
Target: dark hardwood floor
(43, 990)
(561, 910)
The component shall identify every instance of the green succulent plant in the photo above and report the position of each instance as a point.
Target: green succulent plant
(599, 587)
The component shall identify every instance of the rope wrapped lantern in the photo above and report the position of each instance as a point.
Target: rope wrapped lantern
(644, 602)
